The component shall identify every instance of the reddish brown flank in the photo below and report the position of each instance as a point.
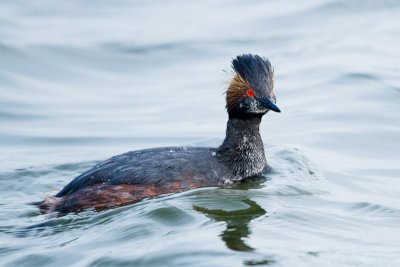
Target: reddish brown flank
(102, 197)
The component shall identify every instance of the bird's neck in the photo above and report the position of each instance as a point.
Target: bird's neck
(243, 149)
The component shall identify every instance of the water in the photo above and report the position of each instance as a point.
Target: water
(81, 81)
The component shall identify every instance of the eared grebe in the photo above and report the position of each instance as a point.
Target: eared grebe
(133, 176)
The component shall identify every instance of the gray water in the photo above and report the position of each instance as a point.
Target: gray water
(81, 81)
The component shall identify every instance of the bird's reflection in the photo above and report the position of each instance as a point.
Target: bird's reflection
(237, 223)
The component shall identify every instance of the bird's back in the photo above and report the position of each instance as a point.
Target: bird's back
(158, 166)
(132, 176)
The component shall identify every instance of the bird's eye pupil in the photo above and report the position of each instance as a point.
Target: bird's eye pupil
(250, 92)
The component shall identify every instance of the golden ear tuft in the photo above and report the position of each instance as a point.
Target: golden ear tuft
(236, 90)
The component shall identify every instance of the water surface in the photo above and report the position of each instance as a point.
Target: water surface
(81, 81)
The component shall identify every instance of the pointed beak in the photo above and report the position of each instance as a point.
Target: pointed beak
(269, 103)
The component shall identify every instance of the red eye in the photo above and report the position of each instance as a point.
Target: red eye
(250, 92)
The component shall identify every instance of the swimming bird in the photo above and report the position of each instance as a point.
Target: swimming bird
(133, 176)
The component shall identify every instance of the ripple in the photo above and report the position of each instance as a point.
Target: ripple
(359, 76)
(293, 174)
(376, 210)
(171, 216)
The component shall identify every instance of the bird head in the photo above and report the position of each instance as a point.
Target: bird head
(251, 90)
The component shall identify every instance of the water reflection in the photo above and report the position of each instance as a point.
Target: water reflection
(237, 223)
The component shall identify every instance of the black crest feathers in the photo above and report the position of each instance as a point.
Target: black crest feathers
(251, 72)
(257, 71)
